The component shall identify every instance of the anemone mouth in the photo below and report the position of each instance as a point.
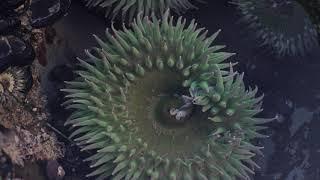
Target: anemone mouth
(284, 26)
(150, 101)
(175, 110)
(153, 96)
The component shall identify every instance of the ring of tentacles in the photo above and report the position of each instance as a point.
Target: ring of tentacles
(284, 27)
(130, 8)
(313, 9)
(157, 101)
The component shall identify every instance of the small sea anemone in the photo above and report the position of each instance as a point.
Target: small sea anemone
(12, 84)
(130, 8)
(159, 102)
(283, 26)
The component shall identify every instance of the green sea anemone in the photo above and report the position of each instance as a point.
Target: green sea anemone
(159, 102)
(283, 26)
(130, 8)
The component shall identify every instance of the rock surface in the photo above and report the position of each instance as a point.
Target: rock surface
(46, 12)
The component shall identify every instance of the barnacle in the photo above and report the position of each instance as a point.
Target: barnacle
(12, 84)
(283, 26)
(131, 8)
(159, 102)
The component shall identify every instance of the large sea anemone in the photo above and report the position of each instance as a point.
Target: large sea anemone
(159, 102)
(130, 8)
(282, 26)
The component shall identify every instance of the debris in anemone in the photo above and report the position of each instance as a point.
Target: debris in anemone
(184, 111)
(126, 93)
(283, 27)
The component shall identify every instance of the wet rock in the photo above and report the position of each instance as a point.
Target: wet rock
(54, 170)
(15, 52)
(29, 79)
(300, 117)
(10, 4)
(276, 103)
(5, 164)
(8, 24)
(50, 34)
(61, 73)
(57, 76)
(46, 12)
(30, 171)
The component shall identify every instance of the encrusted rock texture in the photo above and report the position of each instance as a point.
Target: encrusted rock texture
(27, 137)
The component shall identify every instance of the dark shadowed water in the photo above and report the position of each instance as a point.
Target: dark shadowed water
(291, 87)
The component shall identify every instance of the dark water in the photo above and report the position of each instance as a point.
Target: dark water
(291, 87)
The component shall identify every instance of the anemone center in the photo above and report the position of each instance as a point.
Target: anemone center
(164, 115)
(173, 110)
(6, 80)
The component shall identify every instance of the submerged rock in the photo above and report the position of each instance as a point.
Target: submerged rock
(300, 117)
(61, 73)
(8, 24)
(5, 164)
(46, 12)
(6, 5)
(54, 170)
(15, 52)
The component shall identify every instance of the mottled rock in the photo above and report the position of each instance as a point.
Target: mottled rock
(46, 12)
(8, 144)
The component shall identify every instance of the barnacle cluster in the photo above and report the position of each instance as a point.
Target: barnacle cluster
(283, 26)
(131, 8)
(158, 102)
